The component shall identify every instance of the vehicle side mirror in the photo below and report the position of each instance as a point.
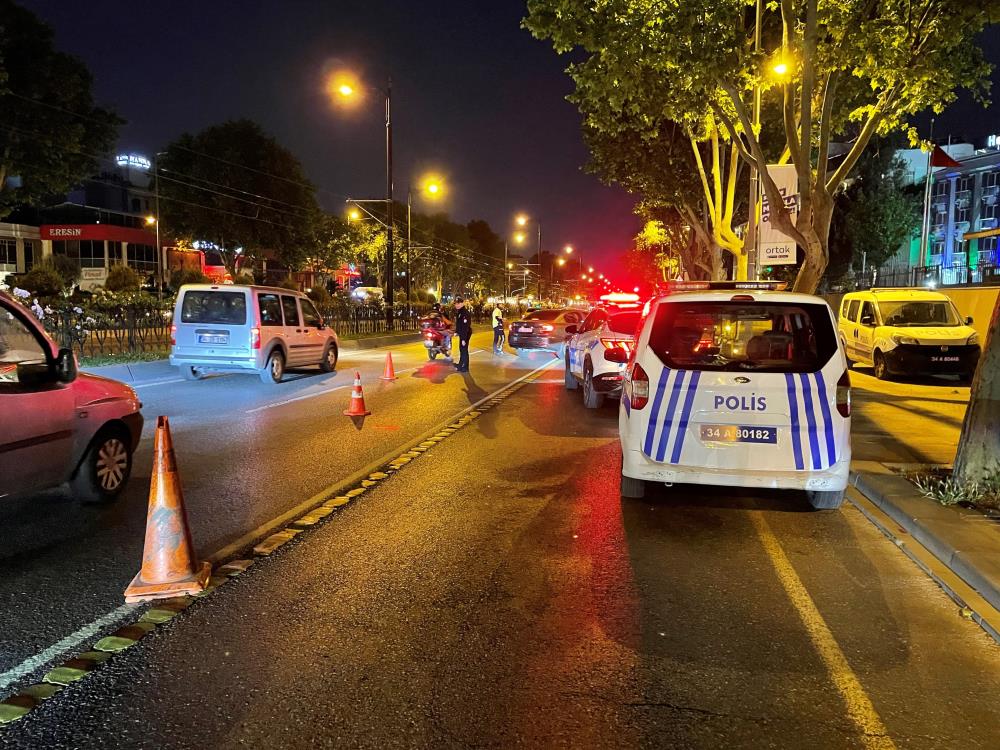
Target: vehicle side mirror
(617, 354)
(65, 367)
(867, 320)
(968, 321)
(571, 329)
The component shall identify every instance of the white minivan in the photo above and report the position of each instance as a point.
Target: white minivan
(735, 384)
(256, 329)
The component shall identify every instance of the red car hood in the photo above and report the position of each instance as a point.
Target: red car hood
(93, 389)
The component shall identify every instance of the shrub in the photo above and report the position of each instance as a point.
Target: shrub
(67, 268)
(319, 295)
(122, 279)
(42, 281)
(187, 276)
(244, 278)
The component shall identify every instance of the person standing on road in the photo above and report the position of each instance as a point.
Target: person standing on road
(497, 330)
(463, 329)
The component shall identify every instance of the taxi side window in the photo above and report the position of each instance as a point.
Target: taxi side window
(867, 314)
(852, 310)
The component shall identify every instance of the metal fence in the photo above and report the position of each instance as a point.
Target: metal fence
(959, 274)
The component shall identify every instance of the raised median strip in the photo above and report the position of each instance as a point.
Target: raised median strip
(321, 507)
(964, 541)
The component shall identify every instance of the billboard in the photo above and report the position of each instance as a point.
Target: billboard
(777, 248)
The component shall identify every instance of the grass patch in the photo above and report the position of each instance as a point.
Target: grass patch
(941, 487)
(125, 358)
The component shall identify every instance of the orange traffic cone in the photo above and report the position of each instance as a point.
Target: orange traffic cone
(357, 408)
(389, 373)
(168, 561)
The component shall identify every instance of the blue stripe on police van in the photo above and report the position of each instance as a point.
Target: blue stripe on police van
(627, 404)
(824, 403)
(668, 416)
(793, 411)
(685, 415)
(647, 446)
(807, 403)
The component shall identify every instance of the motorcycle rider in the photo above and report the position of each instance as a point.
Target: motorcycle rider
(445, 326)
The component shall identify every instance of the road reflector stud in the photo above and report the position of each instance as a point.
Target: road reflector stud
(274, 541)
(13, 709)
(235, 567)
(355, 492)
(378, 475)
(357, 407)
(389, 373)
(337, 502)
(169, 566)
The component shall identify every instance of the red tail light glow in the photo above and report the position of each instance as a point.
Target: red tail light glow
(618, 343)
(255, 338)
(637, 386)
(173, 334)
(844, 395)
(547, 329)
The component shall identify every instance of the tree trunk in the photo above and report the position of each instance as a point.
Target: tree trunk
(817, 235)
(979, 446)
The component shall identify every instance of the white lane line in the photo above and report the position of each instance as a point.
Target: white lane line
(68, 643)
(299, 398)
(151, 383)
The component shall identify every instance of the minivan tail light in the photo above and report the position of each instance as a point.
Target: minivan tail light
(637, 387)
(255, 338)
(173, 334)
(844, 395)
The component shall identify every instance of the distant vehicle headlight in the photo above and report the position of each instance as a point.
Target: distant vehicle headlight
(904, 339)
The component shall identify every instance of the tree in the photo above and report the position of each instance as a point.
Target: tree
(979, 446)
(237, 187)
(855, 68)
(875, 213)
(52, 135)
(663, 250)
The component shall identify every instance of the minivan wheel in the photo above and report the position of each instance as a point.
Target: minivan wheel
(825, 499)
(571, 384)
(592, 399)
(105, 468)
(880, 366)
(191, 373)
(329, 363)
(274, 370)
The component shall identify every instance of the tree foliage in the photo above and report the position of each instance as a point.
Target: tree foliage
(237, 187)
(854, 68)
(52, 135)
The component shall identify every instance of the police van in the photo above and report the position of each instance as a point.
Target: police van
(737, 384)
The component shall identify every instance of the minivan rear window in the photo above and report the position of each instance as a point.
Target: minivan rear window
(737, 336)
(229, 308)
(624, 322)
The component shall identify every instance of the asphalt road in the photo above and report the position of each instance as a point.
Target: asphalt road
(247, 452)
(525, 603)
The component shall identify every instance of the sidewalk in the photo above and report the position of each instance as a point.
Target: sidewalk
(899, 428)
(160, 369)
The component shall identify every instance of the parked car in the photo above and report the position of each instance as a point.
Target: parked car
(542, 329)
(738, 386)
(907, 331)
(596, 353)
(58, 425)
(256, 329)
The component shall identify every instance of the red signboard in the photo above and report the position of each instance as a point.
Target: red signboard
(97, 232)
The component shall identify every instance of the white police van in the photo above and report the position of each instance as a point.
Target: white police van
(737, 384)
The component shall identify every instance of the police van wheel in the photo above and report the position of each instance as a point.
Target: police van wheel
(592, 399)
(825, 499)
(634, 489)
(571, 384)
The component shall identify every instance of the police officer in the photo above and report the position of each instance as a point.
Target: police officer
(463, 329)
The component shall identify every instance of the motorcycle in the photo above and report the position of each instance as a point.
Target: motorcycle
(435, 337)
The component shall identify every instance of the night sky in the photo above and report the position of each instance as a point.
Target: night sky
(474, 97)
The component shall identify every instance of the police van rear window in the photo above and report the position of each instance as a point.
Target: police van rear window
(214, 307)
(741, 336)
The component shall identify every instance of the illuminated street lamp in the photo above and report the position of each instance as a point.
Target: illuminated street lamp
(150, 220)
(432, 188)
(590, 269)
(354, 215)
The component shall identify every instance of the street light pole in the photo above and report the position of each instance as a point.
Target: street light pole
(409, 246)
(750, 248)
(156, 205)
(390, 298)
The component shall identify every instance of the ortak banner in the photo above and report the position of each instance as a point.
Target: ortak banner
(777, 248)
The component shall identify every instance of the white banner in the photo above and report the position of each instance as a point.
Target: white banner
(776, 248)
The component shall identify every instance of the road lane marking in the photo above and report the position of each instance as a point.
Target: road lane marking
(152, 383)
(859, 706)
(68, 643)
(298, 398)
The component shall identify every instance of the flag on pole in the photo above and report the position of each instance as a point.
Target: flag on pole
(939, 158)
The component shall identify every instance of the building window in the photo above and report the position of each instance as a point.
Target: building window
(92, 253)
(114, 253)
(988, 250)
(30, 253)
(8, 254)
(142, 258)
(69, 248)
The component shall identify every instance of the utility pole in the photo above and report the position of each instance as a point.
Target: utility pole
(750, 247)
(156, 204)
(389, 271)
(925, 227)
(409, 247)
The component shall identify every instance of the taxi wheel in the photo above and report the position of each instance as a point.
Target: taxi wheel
(880, 367)
(825, 499)
(274, 370)
(105, 467)
(191, 373)
(592, 399)
(329, 363)
(571, 384)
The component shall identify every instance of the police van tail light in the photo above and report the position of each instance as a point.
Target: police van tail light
(173, 334)
(637, 387)
(844, 395)
(255, 338)
(617, 343)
